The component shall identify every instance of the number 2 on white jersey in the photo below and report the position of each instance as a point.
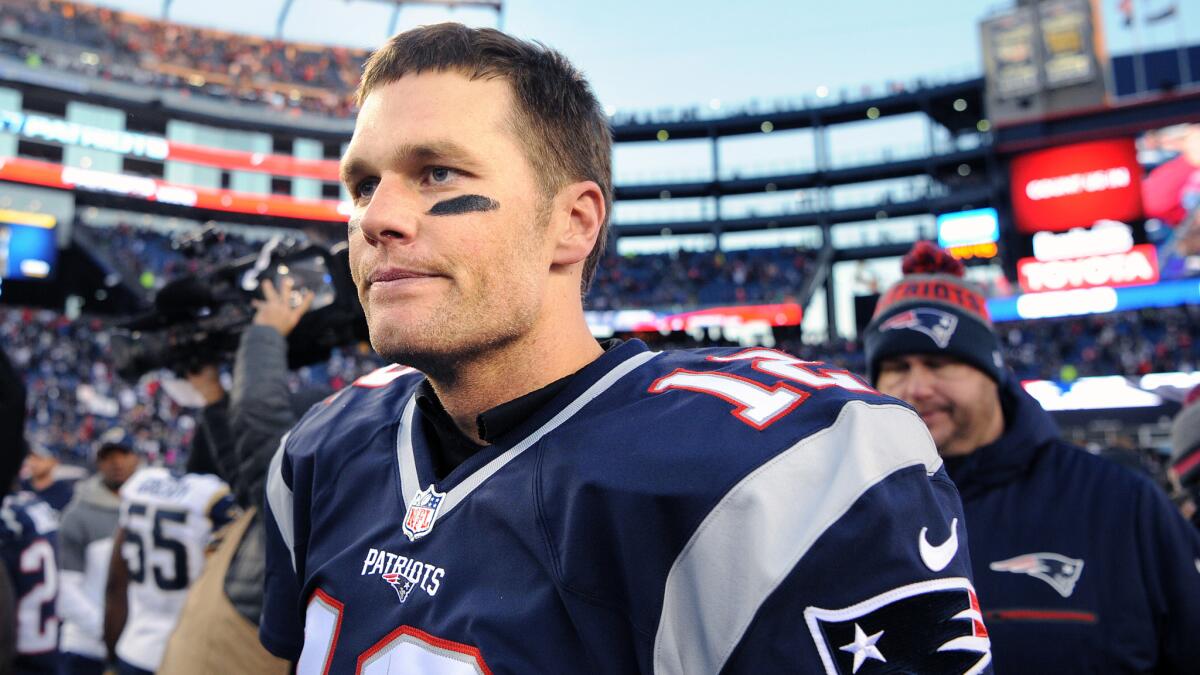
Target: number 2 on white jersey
(36, 635)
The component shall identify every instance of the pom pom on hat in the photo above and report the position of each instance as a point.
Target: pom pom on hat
(926, 257)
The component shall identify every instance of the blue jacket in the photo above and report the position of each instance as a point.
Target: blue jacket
(1081, 565)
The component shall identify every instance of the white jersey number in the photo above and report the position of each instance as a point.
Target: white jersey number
(36, 635)
(754, 403)
(404, 650)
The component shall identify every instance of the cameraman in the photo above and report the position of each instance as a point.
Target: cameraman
(218, 630)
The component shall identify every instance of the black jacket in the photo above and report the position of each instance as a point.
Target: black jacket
(1081, 565)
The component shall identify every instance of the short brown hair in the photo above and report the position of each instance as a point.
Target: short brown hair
(557, 117)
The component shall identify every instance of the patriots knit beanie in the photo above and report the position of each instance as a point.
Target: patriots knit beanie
(933, 310)
(1185, 439)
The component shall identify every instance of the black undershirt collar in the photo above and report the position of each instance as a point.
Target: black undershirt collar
(451, 447)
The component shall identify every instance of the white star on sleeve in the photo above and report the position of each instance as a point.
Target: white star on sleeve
(863, 647)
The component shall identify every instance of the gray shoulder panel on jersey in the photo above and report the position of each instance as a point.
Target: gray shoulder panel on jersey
(279, 498)
(408, 471)
(409, 482)
(775, 514)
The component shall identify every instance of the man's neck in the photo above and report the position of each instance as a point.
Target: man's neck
(477, 385)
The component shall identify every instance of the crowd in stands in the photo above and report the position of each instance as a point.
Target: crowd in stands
(75, 396)
(689, 279)
(1125, 343)
(142, 50)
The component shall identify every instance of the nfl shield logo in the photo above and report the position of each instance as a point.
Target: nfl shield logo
(422, 512)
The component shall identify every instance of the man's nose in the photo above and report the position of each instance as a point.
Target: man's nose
(392, 216)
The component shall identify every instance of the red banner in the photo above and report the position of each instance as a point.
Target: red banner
(235, 160)
(1076, 185)
(21, 170)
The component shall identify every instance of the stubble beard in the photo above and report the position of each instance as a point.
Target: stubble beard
(444, 343)
(462, 330)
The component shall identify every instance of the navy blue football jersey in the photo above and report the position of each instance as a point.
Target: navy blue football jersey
(715, 511)
(28, 536)
(57, 494)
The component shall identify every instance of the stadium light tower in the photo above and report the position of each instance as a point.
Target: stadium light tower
(496, 5)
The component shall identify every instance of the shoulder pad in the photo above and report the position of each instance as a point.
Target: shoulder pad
(373, 400)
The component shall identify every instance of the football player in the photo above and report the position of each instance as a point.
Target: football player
(28, 532)
(165, 524)
(519, 498)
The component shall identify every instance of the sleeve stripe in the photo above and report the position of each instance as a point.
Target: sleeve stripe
(279, 499)
(774, 516)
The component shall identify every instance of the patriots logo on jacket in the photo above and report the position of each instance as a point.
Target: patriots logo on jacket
(935, 323)
(402, 584)
(931, 627)
(1057, 570)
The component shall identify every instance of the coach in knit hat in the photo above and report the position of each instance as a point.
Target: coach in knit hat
(1080, 565)
(935, 323)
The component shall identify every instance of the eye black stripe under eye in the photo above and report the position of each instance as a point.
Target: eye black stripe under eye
(463, 204)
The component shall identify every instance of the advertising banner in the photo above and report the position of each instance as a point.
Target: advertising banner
(1134, 267)
(1071, 186)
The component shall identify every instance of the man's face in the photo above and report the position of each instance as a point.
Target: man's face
(39, 467)
(958, 403)
(116, 467)
(447, 236)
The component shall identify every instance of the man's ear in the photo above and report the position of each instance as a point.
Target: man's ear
(583, 207)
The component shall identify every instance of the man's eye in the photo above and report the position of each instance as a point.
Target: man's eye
(366, 187)
(440, 174)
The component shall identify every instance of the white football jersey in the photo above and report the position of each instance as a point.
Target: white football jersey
(168, 521)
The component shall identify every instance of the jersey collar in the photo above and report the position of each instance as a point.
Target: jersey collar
(415, 473)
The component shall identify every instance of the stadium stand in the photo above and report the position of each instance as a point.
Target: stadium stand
(138, 49)
(690, 279)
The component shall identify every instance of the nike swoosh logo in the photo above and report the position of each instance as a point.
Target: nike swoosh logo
(936, 558)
